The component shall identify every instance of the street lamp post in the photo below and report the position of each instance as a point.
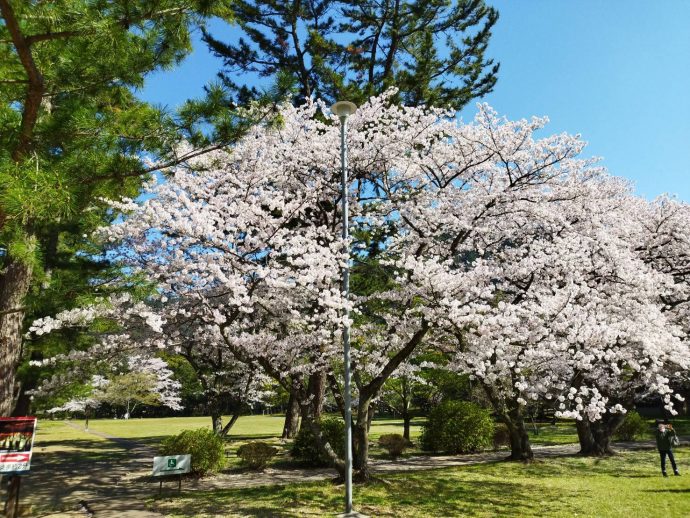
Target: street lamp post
(343, 109)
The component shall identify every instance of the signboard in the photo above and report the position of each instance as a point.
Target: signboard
(171, 465)
(16, 443)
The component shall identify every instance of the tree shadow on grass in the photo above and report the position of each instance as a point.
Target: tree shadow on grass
(237, 438)
(418, 496)
(61, 471)
(628, 465)
(686, 490)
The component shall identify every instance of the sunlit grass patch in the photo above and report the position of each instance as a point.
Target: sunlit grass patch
(627, 485)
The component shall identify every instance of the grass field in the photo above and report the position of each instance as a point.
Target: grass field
(247, 427)
(151, 431)
(627, 485)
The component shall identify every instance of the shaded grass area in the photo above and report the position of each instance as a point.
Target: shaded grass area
(66, 460)
(564, 432)
(628, 484)
(56, 442)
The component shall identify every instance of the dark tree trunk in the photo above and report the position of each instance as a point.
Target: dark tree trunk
(23, 400)
(406, 396)
(360, 439)
(311, 407)
(585, 437)
(337, 394)
(595, 437)
(226, 429)
(291, 418)
(15, 279)
(407, 418)
(316, 390)
(520, 447)
(217, 420)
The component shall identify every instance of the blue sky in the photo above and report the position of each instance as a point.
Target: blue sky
(616, 72)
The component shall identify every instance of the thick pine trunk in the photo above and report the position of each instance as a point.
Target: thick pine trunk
(595, 437)
(15, 279)
(520, 447)
(291, 424)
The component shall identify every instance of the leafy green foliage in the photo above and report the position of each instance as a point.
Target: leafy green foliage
(306, 449)
(457, 427)
(256, 454)
(432, 50)
(632, 428)
(130, 390)
(205, 447)
(394, 443)
(73, 132)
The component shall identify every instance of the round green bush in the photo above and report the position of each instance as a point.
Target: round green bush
(256, 454)
(633, 427)
(394, 443)
(305, 448)
(205, 447)
(457, 427)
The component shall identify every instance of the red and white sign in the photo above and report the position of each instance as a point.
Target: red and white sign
(16, 443)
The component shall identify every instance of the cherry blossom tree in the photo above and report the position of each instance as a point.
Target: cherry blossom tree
(506, 248)
(130, 381)
(516, 251)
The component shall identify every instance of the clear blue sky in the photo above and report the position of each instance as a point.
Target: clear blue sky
(616, 72)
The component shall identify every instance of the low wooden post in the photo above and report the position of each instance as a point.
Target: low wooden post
(12, 504)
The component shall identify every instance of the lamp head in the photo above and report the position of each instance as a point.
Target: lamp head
(343, 108)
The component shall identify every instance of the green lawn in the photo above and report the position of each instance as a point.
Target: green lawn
(247, 427)
(628, 485)
(563, 432)
(62, 443)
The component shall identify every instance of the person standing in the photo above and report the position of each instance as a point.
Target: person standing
(666, 438)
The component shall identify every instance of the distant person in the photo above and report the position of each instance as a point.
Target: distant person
(666, 439)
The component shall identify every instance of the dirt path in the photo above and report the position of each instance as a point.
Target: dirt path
(75, 482)
(120, 487)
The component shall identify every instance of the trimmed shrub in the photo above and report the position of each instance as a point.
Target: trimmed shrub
(305, 448)
(205, 447)
(394, 443)
(633, 427)
(256, 454)
(501, 436)
(457, 427)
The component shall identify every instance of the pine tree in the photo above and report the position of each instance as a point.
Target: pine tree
(434, 51)
(71, 132)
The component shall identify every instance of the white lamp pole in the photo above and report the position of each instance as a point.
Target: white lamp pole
(343, 109)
